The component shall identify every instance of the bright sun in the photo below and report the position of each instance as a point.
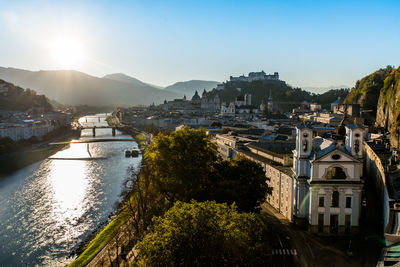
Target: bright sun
(67, 53)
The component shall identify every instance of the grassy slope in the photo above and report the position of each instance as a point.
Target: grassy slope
(141, 140)
(99, 242)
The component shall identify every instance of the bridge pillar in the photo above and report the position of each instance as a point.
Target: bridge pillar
(113, 131)
(94, 131)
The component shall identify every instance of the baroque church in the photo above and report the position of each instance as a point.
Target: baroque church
(212, 105)
(328, 184)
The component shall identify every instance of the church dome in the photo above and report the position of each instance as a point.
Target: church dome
(196, 96)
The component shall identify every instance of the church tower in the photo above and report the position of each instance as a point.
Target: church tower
(302, 153)
(270, 103)
(354, 140)
(301, 168)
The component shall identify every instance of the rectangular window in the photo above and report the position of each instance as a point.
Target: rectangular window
(335, 199)
(348, 202)
(320, 223)
(347, 224)
(321, 202)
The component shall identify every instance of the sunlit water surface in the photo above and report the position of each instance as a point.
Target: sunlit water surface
(48, 208)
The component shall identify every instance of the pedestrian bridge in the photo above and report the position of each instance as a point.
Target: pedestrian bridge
(94, 127)
(98, 127)
(98, 140)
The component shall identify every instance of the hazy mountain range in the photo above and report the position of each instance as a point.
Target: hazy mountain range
(189, 87)
(73, 87)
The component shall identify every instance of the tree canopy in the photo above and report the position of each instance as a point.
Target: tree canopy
(240, 180)
(203, 234)
(180, 161)
(185, 165)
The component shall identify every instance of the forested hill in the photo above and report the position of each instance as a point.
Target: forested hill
(283, 95)
(367, 90)
(16, 98)
(380, 93)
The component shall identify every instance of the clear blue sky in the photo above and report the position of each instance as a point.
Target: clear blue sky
(310, 43)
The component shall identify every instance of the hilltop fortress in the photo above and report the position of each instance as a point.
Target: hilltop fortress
(253, 76)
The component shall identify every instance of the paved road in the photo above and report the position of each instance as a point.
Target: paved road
(283, 252)
(291, 246)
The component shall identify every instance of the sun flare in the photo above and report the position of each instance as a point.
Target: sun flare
(67, 53)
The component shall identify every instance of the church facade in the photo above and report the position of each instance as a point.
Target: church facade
(212, 105)
(328, 180)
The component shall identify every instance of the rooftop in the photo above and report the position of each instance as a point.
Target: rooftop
(287, 170)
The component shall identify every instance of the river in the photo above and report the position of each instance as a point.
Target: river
(48, 208)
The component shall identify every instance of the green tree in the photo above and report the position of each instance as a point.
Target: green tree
(180, 162)
(240, 180)
(203, 234)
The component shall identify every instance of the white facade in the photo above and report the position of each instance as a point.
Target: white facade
(228, 110)
(210, 105)
(26, 129)
(282, 194)
(21, 131)
(241, 107)
(315, 107)
(329, 185)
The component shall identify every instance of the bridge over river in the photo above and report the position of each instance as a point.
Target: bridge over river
(94, 127)
(97, 140)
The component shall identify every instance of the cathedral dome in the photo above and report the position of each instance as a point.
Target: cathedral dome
(196, 96)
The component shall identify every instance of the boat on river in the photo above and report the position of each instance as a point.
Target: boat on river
(135, 152)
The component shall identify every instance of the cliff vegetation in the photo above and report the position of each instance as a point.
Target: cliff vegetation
(388, 106)
(367, 90)
(379, 92)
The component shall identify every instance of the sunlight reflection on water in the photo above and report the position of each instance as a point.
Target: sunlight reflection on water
(48, 208)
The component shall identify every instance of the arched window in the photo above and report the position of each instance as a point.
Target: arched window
(356, 146)
(335, 173)
(335, 199)
(305, 145)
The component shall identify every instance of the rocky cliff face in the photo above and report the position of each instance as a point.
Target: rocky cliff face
(388, 106)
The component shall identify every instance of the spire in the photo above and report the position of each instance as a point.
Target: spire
(184, 97)
(204, 92)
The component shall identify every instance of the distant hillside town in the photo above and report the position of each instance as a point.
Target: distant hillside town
(25, 115)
